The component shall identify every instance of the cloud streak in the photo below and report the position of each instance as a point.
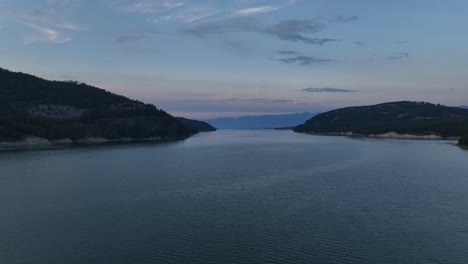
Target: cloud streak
(189, 15)
(304, 60)
(398, 56)
(47, 35)
(287, 52)
(224, 26)
(155, 6)
(256, 10)
(328, 90)
(344, 19)
(292, 30)
(135, 37)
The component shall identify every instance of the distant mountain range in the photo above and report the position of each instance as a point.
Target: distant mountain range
(396, 119)
(260, 121)
(68, 111)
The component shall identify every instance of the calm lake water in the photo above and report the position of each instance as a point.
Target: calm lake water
(237, 197)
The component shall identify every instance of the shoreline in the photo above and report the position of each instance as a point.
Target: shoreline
(389, 135)
(32, 143)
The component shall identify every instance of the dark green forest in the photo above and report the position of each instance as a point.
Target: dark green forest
(32, 106)
(463, 141)
(197, 125)
(419, 118)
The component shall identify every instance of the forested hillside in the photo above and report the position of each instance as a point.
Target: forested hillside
(34, 107)
(417, 118)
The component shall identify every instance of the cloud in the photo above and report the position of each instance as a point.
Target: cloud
(304, 60)
(46, 35)
(344, 19)
(135, 37)
(287, 52)
(398, 56)
(313, 41)
(296, 26)
(359, 43)
(256, 10)
(328, 90)
(223, 26)
(189, 15)
(154, 6)
(49, 20)
(288, 30)
(70, 26)
(263, 9)
(293, 30)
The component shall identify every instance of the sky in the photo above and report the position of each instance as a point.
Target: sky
(207, 58)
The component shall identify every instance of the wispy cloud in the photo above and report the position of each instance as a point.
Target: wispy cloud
(263, 9)
(256, 10)
(47, 35)
(304, 60)
(294, 29)
(344, 19)
(398, 56)
(328, 90)
(154, 6)
(189, 15)
(47, 28)
(359, 43)
(287, 52)
(219, 27)
(135, 37)
(70, 26)
(289, 30)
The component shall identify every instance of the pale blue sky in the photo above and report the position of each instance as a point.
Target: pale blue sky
(227, 58)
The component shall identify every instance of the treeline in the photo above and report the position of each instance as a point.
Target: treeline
(418, 118)
(97, 112)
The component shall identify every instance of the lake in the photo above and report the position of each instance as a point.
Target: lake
(259, 196)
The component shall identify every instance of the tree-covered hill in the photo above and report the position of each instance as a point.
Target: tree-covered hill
(34, 107)
(200, 126)
(417, 118)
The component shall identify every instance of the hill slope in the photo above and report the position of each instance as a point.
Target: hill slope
(200, 126)
(258, 122)
(415, 118)
(53, 110)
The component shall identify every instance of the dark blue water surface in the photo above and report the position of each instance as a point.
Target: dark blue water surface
(237, 197)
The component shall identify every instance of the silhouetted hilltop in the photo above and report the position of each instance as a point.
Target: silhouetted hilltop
(414, 118)
(55, 110)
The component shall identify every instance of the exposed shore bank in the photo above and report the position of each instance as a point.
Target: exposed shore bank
(37, 143)
(389, 135)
